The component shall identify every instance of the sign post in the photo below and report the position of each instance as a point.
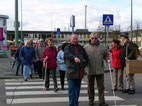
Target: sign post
(72, 23)
(107, 21)
(58, 32)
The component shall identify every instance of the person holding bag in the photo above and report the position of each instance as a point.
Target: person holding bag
(128, 53)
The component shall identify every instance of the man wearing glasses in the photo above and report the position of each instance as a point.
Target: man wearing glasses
(95, 69)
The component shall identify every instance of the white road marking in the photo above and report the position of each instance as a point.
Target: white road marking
(54, 99)
(17, 93)
(33, 83)
(38, 87)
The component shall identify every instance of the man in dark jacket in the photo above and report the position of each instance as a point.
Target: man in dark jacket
(17, 57)
(76, 60)
(128, 53)
(27, 56)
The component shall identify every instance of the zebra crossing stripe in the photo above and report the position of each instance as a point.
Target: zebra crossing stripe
(19, 80)
(37, 87)
(17, 93)
(33, 83)
(13, 80)
(55, 99)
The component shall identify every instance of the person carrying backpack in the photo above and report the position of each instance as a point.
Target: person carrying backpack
(128, 53)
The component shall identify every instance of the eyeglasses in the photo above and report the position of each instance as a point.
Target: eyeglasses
(94, 38)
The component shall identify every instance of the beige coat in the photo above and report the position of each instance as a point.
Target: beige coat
(96, 54)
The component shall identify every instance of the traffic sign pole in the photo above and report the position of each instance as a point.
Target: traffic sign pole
(72, 30)
(58, 32)
(107, 35)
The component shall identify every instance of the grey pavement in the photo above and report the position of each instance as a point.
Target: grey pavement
(6, 67)
(6, 71)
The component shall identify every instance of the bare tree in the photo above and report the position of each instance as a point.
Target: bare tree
(137, 30)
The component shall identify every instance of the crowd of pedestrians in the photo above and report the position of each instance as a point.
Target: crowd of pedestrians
(73, 60)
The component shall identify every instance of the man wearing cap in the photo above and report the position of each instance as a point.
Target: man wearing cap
(128, 53)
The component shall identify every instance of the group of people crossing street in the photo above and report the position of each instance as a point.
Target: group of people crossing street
(73, 60)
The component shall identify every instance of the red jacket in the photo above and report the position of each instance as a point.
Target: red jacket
(116, 57)
(51, 52)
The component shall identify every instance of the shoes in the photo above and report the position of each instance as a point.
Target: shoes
(16, 74)
(103, 104)
(115, 89)
(125, 90)
(45, 89)
(31, 76)
(62, 88)
(131, 92)
(26, 80)
(56, 89)
(120, 89)
(91, 103)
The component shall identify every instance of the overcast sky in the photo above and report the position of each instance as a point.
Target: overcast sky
(48, 15)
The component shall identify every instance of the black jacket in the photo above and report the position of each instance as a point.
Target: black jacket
(131, 52)
(73, 69)
(17, 54)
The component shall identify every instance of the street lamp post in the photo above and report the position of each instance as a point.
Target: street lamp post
(85, 16)
(131, 20)
(16, 24)
(21, 23)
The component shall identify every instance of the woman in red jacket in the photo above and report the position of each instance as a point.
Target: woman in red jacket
(116, 64)
(49, 59)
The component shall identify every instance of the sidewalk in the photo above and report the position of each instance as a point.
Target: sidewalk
(5, 68)
(6, 71)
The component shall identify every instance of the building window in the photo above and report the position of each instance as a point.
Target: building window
(54, 36)
(88, 36)
(48, 35)
(66, 35)
(62, 36)
(80, 36)
(84, 36)
(58, 36)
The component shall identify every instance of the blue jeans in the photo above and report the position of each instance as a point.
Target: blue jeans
(18, 66)
(74, 86)
(25, 70)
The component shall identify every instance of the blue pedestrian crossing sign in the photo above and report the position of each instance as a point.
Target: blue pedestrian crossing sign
(58, 31)
(107, 19)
